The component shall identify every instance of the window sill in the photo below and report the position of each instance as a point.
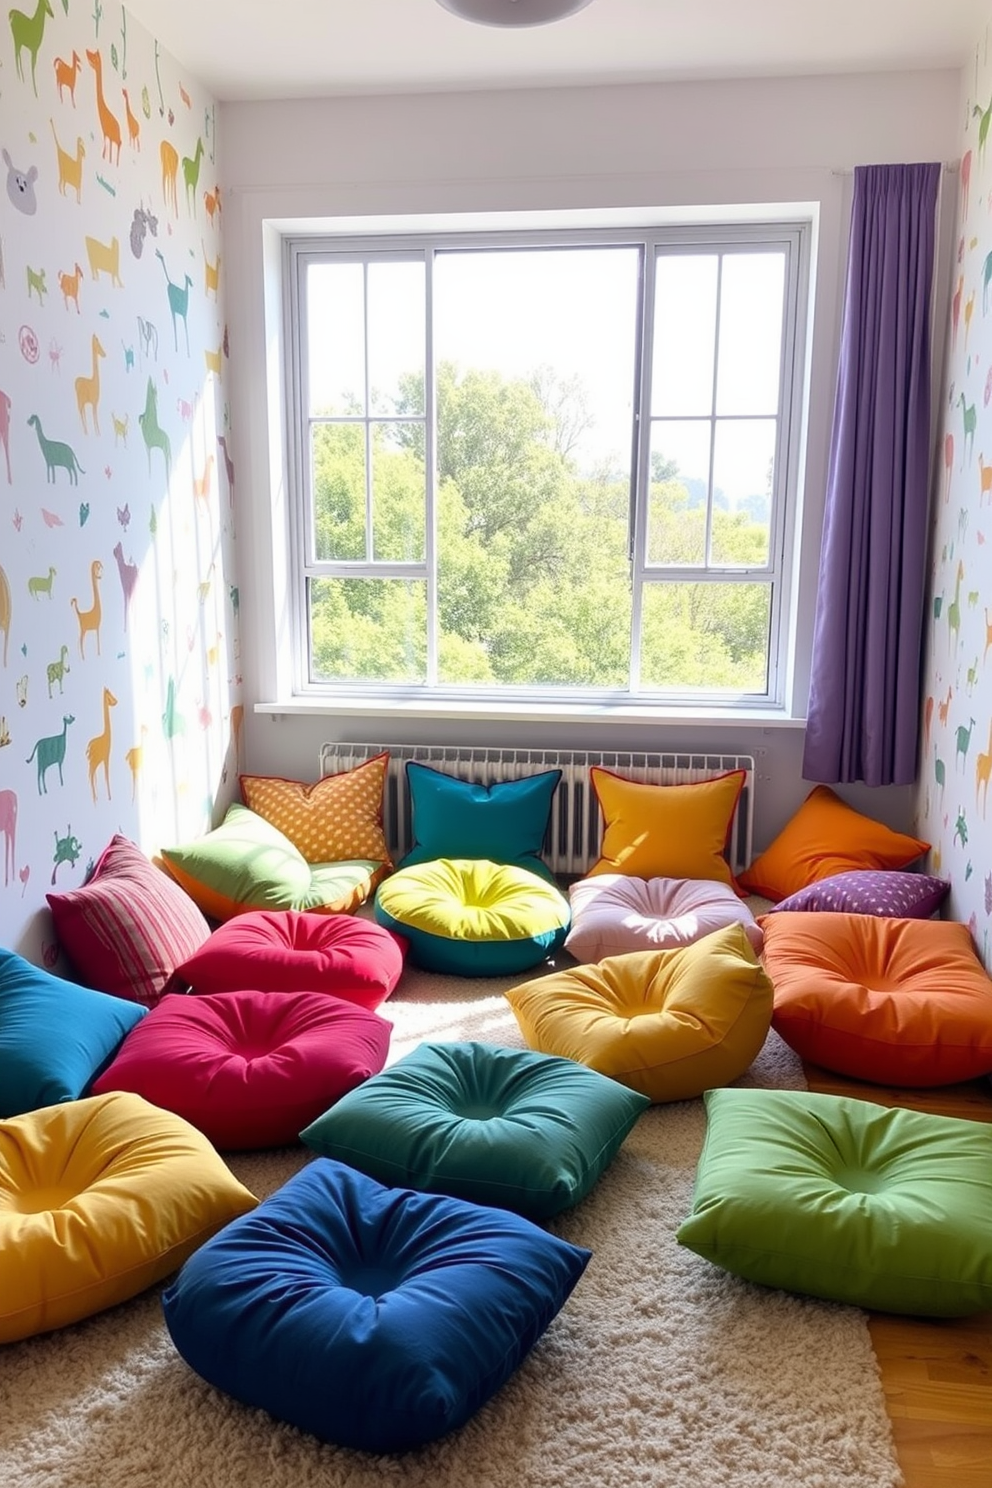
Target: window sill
(686, 717)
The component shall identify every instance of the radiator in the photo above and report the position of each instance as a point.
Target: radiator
(575, 829)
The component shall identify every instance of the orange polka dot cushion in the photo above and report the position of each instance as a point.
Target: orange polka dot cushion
(895, 1001)
(337, 819)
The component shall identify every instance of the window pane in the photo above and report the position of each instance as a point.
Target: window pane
(743, 459)
(396, 294)
(684, 340)
(750, 333)
(680, 466)
(712, 637)
(368, 630)
(336, 337)
(338, 483)
(399, 517)
(534, 408)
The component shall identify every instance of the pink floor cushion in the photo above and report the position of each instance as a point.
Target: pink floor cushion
(613, 914)
(250, 1068)
(286, 950)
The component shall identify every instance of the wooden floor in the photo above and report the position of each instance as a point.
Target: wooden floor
(936, 1372)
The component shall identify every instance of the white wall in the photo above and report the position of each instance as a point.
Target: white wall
(648, 149)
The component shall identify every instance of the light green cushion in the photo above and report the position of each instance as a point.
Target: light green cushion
(502, 1127)
(246, 863)
(839, 1198)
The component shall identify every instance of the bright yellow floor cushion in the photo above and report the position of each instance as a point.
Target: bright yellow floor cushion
(99, 1199)
(669, 1024)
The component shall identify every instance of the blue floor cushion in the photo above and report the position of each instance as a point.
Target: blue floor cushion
(510, 1127)
(875, 1206)
(473, 917)
(374, 1318)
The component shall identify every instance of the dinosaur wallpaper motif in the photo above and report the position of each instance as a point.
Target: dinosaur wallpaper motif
(956, 763)
(119, 670)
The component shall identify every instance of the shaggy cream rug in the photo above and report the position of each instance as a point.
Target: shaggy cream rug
(660, 1372)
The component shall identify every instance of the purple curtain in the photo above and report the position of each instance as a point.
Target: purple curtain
(864, 705)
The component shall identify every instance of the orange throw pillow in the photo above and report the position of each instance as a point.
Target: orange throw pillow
(337, 820)
(896, 1002)
(666, 831)
(826, 836)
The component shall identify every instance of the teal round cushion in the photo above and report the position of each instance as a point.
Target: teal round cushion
(839, 1198)
(473, 917)
(507, 1127)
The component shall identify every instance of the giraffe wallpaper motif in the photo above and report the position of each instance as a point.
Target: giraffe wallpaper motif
(956, 763)
(119, 669)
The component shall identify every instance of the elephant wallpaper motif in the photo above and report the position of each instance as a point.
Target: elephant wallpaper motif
(119, 667)
(956, 761)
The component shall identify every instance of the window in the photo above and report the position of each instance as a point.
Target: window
(548, 466)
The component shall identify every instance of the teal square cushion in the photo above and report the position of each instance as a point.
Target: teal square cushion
(505, 822)
(375, 1318)
(874, 1206)
(507, 1127)
(55, 1036)
(248, 864)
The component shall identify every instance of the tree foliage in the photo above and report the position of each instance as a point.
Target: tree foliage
(533, 571)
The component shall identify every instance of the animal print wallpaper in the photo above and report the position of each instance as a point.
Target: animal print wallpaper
(119, 685)
(953, 788)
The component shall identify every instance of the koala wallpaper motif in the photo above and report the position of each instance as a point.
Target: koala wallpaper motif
(119, 669)
(956, 762)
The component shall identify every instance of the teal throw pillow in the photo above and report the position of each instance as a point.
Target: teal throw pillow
(55, 1036)
(507, 1127)
(505, 822)
(874, 1206)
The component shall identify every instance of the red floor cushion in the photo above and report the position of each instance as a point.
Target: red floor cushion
(286, 950)
(894, 1001)
(250, 1068)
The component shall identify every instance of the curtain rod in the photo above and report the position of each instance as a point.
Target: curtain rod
(848, 170)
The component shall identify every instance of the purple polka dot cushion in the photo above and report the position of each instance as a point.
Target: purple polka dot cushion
(894, 895)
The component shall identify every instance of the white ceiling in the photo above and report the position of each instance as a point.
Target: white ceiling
(263, 49)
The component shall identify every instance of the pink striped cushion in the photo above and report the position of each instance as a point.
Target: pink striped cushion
(129, 926)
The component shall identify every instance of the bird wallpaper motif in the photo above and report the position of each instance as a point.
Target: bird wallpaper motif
(956, 738)
(119, 668)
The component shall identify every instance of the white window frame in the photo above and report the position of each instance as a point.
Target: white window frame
(793, 236)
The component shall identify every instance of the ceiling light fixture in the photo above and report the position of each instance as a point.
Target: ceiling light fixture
(513, 12)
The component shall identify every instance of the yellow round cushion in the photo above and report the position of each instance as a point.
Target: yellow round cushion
(99, 1199)
(473, 917)
(669, 1024)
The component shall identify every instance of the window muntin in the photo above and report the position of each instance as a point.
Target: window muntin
(506, 534)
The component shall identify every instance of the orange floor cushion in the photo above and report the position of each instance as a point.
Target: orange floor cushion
(894, 1001)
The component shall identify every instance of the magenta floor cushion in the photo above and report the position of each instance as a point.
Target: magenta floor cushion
(286, 950)
(249, 1068)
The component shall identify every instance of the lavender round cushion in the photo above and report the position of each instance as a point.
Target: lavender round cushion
(613, 914)
(892, 894)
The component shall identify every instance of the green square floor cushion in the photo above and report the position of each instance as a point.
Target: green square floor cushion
(375, 1318)
(878, 1207)
(247, 863)
(54, 1035)
(505, 822)
(508, 1127)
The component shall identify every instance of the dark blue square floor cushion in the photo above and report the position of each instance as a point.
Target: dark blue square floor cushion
(375, 1318)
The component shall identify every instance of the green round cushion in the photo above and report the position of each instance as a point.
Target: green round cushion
(472, 917)
(874, 1206)
(505, 1127)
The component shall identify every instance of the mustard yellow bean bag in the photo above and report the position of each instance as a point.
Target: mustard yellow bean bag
(669, 1024)
(99, 1199)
